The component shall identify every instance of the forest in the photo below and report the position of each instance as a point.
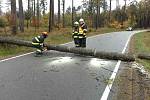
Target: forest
(97, 14)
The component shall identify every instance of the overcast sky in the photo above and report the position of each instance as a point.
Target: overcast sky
(67, 4)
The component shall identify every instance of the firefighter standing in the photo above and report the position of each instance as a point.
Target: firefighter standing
(38, 42)
(82, 33)
(75, 34)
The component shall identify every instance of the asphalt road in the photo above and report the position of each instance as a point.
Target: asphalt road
(61, 76)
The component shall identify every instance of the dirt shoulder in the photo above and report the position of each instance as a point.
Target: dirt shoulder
(141, 69)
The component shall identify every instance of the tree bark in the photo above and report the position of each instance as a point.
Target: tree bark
(28, 11)
(58, 12)
(72, 13)
(50, 17)
(63, 13)
(34, 10)
(53, 22)
(97, 15)
(110, 11)
(0, 8)
(21, 16)
(13, 17)
(38, 14)
(81, 51)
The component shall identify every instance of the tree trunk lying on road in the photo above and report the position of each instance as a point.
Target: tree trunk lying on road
(144, 56)
(81, 51)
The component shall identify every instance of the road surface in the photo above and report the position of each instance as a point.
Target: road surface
(62, 76)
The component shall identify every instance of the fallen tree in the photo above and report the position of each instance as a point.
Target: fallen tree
(81, 51)
(145, 56)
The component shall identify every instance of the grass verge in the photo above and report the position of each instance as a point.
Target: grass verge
(141, 44)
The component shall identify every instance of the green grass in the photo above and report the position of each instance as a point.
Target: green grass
(55, 37)
(142, 45)
(14, 50)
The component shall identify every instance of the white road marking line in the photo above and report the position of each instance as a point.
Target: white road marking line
(15, 57)
(112, 78)
(66, 43)
(103, 34)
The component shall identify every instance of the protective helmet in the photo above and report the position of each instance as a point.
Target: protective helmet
(45, 34)
(76, 23)
(81, 20)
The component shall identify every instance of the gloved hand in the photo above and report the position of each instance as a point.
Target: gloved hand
(45, 49)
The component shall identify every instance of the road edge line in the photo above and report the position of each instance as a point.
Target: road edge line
(15, 57)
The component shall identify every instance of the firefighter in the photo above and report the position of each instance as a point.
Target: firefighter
(38, 42)
(75, 34)
(82, 33)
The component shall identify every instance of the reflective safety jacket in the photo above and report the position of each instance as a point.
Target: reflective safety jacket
(75, 33)
(38, 40)
(82, 31)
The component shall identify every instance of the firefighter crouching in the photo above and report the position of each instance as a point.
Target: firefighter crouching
(38, 42)
(75, 34)
(82, 33)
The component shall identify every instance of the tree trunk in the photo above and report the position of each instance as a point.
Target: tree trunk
(63, 13)
(53, 14)
(28, 4)
(32, 11)
(13, 17)
(34, 19)
(0, 8)
(21, 16)
(50, 17)
(38, 14)
(58, 12)
(110, 11)
(125, 3)
(72, 13)
(28, 11)
(92, 14)
(104, 8)
(97, 15)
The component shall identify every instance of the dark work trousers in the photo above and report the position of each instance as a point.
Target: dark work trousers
(82, 42)
(76, 42)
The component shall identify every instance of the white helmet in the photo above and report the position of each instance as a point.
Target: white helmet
(81, 20)
(76, 23)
